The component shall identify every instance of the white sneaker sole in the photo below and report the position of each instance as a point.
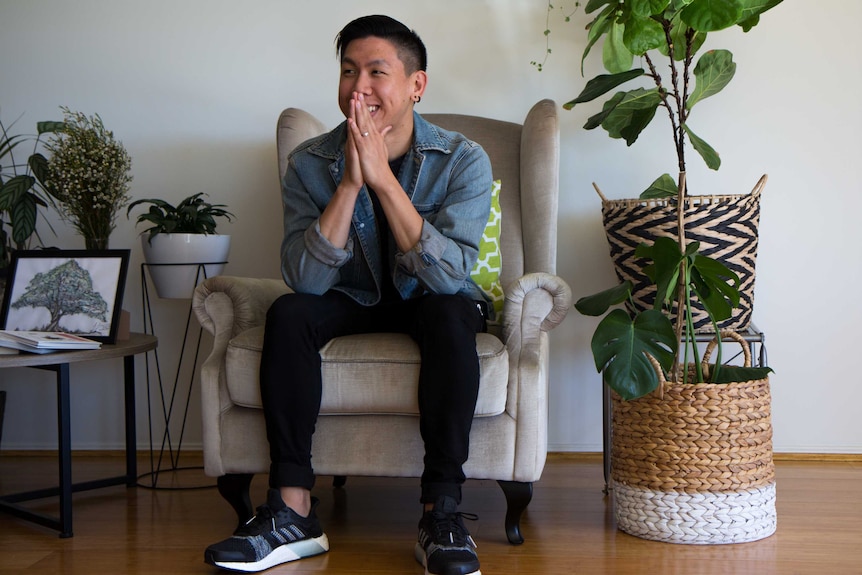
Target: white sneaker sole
(281, 554)
(419, 553)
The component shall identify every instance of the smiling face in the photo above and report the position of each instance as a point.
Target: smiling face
(371, 67)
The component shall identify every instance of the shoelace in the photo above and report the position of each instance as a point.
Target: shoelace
(262, 521)
(449, 527)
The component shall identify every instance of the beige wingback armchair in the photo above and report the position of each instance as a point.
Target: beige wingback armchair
(369, 424)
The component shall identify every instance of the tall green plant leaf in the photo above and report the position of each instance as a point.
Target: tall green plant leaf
(713, 72)
(603, 84)
(620, 345)
(642, 35)
(608, 107)
(712, 15)
(647, 8)
(594, 5)
(664, 187)
(615, 56)
(629, 118)
(751, 11)
(596, 29)
(709, 155)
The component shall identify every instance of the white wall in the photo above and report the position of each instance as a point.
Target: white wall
(193, 89)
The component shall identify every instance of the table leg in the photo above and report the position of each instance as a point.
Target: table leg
(64, 437)
(131, 425)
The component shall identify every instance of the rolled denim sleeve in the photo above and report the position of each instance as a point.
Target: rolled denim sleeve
(309, 262)
(449, 243)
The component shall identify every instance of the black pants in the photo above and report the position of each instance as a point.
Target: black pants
(444, 327)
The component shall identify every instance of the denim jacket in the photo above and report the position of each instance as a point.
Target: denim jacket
(448, 179)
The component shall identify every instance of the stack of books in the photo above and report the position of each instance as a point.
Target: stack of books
(45, 341)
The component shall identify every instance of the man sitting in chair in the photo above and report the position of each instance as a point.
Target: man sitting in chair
(383, 217)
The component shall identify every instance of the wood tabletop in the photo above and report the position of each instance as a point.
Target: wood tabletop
(137, 343)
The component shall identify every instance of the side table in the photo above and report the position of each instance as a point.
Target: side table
(58, 362)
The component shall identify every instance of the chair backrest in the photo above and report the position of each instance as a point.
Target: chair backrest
(525, 157)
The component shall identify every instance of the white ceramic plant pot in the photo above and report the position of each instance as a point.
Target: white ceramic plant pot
(179, 281)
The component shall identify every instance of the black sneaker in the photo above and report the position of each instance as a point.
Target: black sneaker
(275, 535)
(445, 547)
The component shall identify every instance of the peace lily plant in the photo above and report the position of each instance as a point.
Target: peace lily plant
(671, 31)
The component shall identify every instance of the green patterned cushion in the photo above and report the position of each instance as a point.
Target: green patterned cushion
(486, 272)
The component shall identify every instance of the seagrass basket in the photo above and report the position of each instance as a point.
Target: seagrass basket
(692, 463)
(725, 225)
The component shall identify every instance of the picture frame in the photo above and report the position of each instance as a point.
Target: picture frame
(86, 295)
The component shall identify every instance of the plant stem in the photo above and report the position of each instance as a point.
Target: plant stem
(681, 299)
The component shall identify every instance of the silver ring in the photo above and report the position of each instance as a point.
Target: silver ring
(365, 134)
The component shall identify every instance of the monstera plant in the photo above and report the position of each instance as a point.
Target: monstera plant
(673, 32)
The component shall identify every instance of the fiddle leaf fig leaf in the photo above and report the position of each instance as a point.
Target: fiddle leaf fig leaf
(647, 8)
(620, 346)
(603, 84)
(596, 29)
(642, 35)
(594, 5)
(678, 32)
(713, 72)
(598, 304)
(712, 15)
(615, 56)
(709, 155)
(609, 106)
(663, 187)
(751, 11)
(629, 118)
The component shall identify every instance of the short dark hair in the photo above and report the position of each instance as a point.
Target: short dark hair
(411, 50)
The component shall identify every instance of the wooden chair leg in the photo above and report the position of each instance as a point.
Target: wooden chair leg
(234, 488)
(518, 495)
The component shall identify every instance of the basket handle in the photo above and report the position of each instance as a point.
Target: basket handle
(758, 187)
(725, 334)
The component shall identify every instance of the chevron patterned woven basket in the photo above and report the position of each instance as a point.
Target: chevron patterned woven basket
(725, 226)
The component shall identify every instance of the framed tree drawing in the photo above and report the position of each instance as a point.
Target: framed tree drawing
(75, 291)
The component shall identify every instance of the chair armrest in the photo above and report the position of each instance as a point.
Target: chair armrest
(249, 300)
(226, 306)
(535, 302)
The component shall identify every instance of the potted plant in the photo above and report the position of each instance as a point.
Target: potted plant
(692, 457)
(182, 234)
(21, 191)
(88, 176)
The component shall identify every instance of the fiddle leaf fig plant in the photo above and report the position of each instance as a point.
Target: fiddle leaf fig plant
(654, 31)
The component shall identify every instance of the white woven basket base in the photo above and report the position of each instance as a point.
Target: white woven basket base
(699, 518)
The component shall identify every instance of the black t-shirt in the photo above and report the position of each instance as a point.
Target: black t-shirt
(388, 291)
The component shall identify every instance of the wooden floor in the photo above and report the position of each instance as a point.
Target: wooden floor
(371, 525)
